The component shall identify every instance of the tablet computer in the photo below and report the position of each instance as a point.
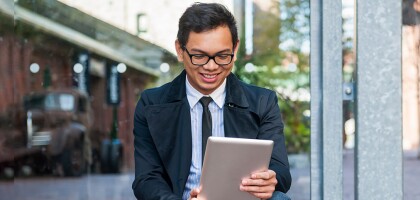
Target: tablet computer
(227, 161)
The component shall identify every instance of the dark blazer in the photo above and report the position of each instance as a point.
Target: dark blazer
(162, 134)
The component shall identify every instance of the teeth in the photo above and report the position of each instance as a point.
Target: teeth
(209, 76)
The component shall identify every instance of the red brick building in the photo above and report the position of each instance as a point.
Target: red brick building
(49, 35)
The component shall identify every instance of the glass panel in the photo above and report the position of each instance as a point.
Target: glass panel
(66, 102)
(59, 56)
(411, 96)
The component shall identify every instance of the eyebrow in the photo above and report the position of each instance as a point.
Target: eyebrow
(228, 51)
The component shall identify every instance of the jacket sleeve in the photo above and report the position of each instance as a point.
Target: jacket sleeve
(151, 180)
(271, 128)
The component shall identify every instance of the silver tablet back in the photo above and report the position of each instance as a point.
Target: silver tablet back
(227, 161)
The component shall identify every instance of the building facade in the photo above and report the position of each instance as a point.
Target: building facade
(40, 46)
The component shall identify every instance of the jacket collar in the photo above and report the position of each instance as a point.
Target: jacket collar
(177, 89)
(234, 91)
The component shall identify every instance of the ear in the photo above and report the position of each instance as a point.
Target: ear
(179, 51)
(235, 51)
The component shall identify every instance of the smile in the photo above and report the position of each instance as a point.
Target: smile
(209, 75)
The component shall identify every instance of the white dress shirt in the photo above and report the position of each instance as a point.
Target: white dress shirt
(196, 111)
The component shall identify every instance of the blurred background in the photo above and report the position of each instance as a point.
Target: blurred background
(71, 72)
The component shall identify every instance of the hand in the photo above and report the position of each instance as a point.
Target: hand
(194, 193)
(260, 184)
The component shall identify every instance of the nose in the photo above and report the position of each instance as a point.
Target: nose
(211, 65)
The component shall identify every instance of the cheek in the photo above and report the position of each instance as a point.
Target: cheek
(189, 70)
(227, 70)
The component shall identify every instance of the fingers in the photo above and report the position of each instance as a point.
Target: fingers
(261, 192)
(261, 179)
(258, 189)
(194, 193)
(260, 184)
(264, 175)
(262, 195)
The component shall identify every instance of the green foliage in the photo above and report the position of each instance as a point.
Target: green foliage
(296, 128)
(287, 85)
(278, 63)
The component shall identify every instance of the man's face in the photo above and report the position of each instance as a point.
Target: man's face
(207, 78)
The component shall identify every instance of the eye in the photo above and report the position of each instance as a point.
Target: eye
(199, 57)
(223, 57)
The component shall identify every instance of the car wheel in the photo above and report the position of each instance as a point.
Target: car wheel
(73, 161)
(111, 157)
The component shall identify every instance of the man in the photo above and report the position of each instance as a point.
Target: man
(168, 122)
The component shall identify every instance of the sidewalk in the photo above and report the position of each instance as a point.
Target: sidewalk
(300, 189)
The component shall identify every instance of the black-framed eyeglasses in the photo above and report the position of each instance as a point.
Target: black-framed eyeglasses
(202, 59)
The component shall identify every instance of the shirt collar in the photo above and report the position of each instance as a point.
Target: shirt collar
(194, 95)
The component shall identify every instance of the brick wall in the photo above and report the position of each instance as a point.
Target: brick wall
(16, 55)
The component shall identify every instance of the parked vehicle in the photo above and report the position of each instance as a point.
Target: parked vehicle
(57, 135)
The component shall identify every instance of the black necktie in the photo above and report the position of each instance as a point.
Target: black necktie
(206, 123)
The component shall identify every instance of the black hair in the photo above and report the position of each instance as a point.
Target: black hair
(201, 17)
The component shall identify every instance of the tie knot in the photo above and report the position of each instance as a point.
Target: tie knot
(205, 101)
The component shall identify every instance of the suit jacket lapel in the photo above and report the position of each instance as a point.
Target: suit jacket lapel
(235, 95)
(173, 136)
(239, 121)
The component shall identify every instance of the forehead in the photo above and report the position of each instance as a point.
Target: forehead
(213, 40)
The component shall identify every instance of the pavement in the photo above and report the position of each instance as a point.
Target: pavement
(89, 187)
(300, 170)
(118, 186)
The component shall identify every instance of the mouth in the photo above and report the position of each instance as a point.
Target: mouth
(209, 77)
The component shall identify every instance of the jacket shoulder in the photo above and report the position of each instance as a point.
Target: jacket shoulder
(255, 92)
(155, 95)
(260, 99)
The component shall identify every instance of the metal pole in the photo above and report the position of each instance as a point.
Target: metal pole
(378, 104)
(316, 100)
(326, 100)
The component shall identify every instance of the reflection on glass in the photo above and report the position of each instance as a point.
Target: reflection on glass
(64, 102)
(50, 34)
